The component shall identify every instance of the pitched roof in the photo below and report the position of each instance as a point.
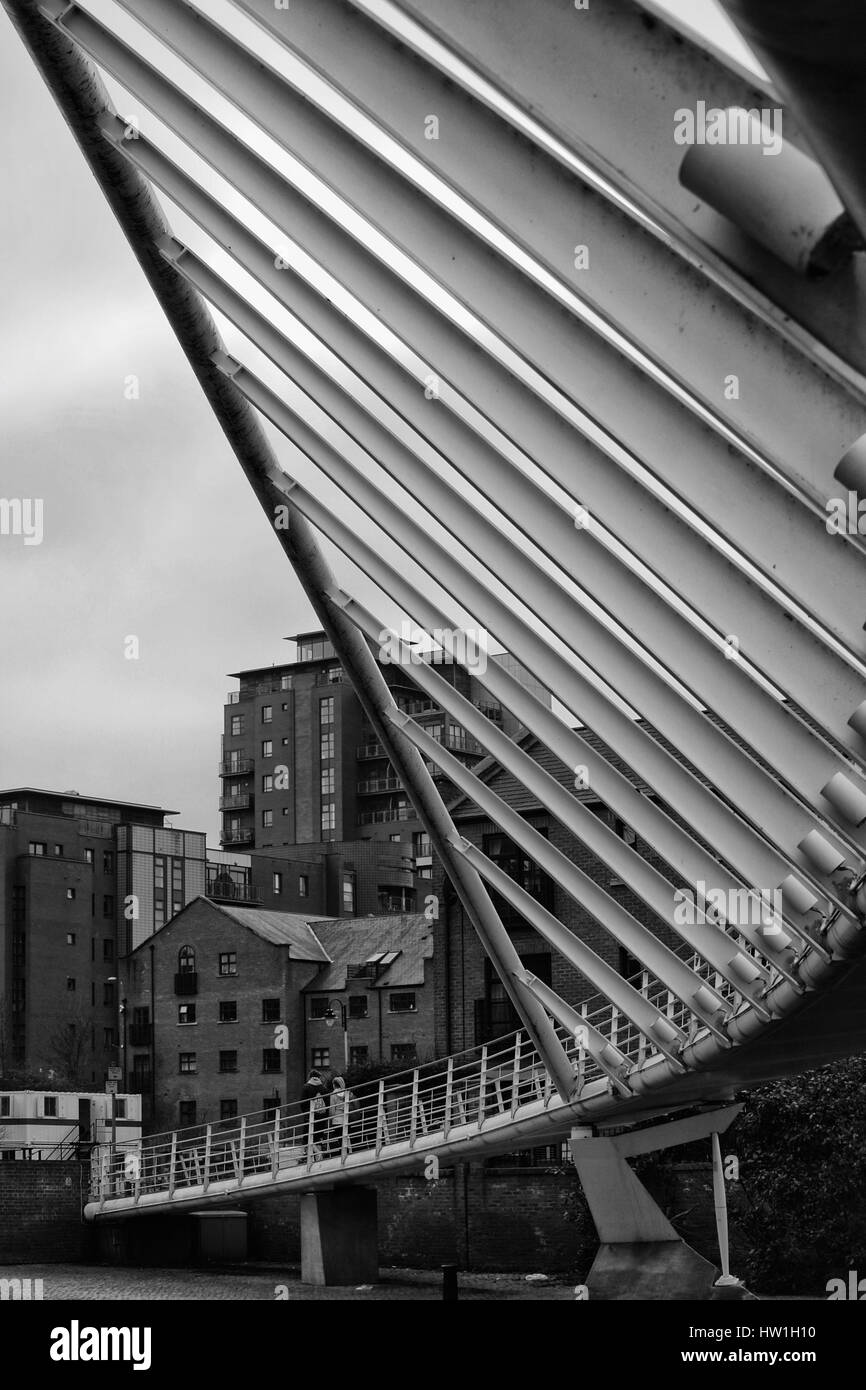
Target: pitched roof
(353, 940)
(280, 928)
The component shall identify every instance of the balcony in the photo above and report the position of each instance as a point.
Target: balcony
(380, 784)
(240, 802)
(462, 743)
(380, 817)
(186, 982)
(235, 767)
(370, 750)
(236, 837)
(140, 1034)
(230, 886)
(334, 676)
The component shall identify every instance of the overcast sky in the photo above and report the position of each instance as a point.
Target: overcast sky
(149, 528)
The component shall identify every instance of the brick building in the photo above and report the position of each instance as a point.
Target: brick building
(227, 1005)
(471, 1004)
(373, 1002)
(81, 882)
(300, 764)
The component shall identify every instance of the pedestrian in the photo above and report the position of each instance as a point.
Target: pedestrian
(339, 1102)
(315, 1093)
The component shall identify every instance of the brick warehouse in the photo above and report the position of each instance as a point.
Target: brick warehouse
(231, 1006)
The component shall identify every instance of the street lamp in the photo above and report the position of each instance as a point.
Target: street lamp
(121, 1058)
(331, 1019)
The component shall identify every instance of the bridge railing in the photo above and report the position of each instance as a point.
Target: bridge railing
(430, 1099)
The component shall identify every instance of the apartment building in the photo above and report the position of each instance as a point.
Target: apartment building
(82, 882)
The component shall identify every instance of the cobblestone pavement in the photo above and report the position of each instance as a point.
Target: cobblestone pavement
(266, 1284)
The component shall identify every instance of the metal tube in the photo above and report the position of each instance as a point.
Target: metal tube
(82, 99)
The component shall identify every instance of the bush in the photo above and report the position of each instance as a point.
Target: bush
(800, 1144)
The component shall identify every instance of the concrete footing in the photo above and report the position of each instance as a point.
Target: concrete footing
(641, 1255)
(339, 1236)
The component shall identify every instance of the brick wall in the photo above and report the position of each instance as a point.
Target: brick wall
(40, 1213)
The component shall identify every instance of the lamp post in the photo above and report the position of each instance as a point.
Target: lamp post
(121, 1060)
(331, 1019)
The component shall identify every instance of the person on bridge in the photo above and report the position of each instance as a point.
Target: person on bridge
(339, 1101)
(315, 1092)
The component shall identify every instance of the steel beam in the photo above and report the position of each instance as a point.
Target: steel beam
(796, 756)
(82, 101)
(731, 770)
(547, 61)
(485, 285)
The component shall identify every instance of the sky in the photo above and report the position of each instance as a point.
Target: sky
(150, 531)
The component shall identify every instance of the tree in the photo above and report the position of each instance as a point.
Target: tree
(69, 1046)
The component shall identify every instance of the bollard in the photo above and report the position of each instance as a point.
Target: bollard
(449, 1283)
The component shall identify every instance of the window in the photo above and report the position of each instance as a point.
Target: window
(108, 861)
(70, 982)
(108, 993)
(186, 961)
(267, 714)
(358, 1006)
(271, 1011)
(403, 1052)
(120, 1108)
(186, 1013)
(267, 819)
(70, 895)
(270, 1105)
(277, 884)
(228, 1109)
(524, 871)
(396, 839)
(70, 938)
(326, 710)
(402, 1003)
(319, 1006)
(107, 905)
(107, 949)
(359, 1056)
(328, 774)
(267, 748)
(326, 746)
(49, 1106)
(349, 893)
(237, 725)
(186, 1113)
(303, 885)
(109, 1039)
(37, 847)
(285, 684)
(321, 1057)
(58, 850)
(268, 782)
(329, 815)
(228, 1061)
(228, 962)
(284, 742)
(88, 856)
(187, 1062)
(629, 965)
(5, 1105)
(228, 1011)
(270, 1059)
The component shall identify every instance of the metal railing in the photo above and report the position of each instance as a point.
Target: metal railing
(239, 802)
(379, 817)
(236, 837)
(235, 767)
(380, 784)
(370, 750)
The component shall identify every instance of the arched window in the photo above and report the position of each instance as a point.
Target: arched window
(186, 961)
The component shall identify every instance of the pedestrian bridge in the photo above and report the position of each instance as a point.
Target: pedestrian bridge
(545, 364)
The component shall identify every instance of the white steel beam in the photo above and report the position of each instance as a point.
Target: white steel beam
(735, 605)
(729, 768)
(796, 755)
(547, 59)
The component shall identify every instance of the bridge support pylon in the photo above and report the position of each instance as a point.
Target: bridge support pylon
(339, 1236)
(641, 1256)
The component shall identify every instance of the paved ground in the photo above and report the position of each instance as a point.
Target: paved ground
(266, 1283)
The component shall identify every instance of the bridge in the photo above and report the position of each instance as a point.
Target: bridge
(587, 383)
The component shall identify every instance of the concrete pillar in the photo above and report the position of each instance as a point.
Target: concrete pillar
(339, 1236)
(641, 1256)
